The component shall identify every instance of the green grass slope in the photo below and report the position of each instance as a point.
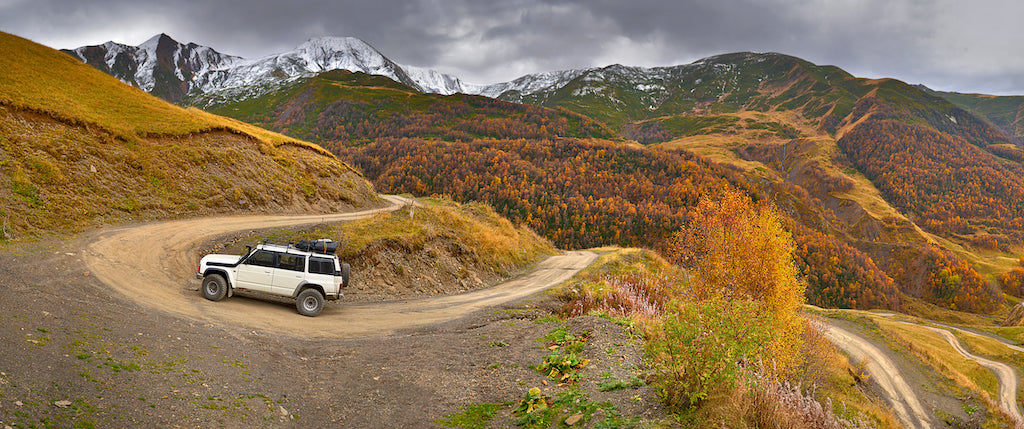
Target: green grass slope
(339, 108)
(1005, 112)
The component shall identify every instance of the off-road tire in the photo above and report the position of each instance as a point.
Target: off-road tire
(346, 269)
(214, 287)
(309, 302)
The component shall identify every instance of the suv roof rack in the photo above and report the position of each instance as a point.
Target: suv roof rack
(321, 246)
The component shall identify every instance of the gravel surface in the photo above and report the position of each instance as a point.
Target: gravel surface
(81, 353)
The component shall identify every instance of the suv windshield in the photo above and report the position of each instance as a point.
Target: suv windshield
(262, 258)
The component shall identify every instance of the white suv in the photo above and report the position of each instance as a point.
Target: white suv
(309, 272)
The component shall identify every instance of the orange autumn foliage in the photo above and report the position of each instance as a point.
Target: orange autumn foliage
(738, 250)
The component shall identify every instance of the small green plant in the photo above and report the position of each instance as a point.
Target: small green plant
(560, 337)
(573, 408)
(564, 368)
(499, 344)
(547, 319)
(534, 410)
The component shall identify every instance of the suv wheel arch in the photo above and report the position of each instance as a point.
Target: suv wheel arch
(310, 301)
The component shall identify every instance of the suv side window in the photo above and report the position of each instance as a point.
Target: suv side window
(321, 265)
(262, 258)
(292, 262)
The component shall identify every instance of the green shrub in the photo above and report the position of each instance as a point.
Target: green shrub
(698, 347)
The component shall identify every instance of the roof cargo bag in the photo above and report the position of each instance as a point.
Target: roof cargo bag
(323, 245)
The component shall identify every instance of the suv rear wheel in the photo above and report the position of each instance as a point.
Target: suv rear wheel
(214, 287)
(309, 302)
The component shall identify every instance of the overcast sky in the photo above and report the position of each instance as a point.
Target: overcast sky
(954, 45)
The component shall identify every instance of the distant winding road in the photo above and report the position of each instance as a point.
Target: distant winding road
(1008, 381)
(904, 401)
(901, 397)
(152, 265)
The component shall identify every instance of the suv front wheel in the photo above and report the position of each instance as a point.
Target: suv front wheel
(309, 302)
(214, 287)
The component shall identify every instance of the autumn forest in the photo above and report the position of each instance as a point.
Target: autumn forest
(583, 183)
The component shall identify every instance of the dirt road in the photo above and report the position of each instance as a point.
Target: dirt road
(883, 371)
(1007, 377)
(152, 265)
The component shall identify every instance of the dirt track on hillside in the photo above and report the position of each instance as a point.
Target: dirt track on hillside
(1007, 377)
(152, 265)
(901, 397)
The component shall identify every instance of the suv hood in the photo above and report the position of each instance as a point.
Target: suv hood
(221, 259)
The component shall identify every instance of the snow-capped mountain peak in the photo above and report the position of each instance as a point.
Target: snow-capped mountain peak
(148, 65)
(151, 44)
(199, 69)
(435, 81)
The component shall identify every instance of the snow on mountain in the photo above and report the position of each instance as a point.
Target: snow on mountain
(177, 72)
(201, 70)
(150, 65)
(434, 81)
(526, 85)
(308, 59)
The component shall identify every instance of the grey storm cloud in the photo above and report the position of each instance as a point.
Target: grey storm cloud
(945, 44)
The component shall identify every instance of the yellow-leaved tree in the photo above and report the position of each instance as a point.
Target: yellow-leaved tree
(737, 250)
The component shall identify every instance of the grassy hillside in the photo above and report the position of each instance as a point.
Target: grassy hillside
(79, 147)
(1005, 112)
(340, 109)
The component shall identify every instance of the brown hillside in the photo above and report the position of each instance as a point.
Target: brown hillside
(60, 177)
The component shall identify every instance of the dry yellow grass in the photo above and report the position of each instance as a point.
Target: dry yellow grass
(79, 148)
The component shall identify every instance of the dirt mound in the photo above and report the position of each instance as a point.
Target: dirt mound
(1016, 316)
(389, 269)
